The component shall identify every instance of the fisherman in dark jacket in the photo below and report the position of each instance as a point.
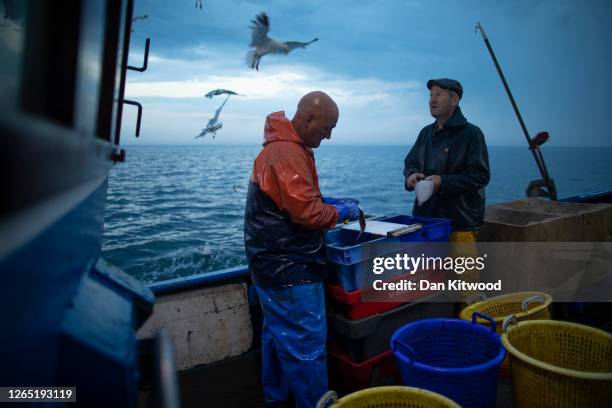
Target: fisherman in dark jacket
(452, 153)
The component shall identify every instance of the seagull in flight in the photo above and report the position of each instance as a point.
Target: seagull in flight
(135, 19)
(216, 92)
(213, 124)
(265, 45)
(143, 17)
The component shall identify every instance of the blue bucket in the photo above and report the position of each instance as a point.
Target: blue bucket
(452, 357)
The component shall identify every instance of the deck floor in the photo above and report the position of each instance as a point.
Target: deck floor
(235, 382)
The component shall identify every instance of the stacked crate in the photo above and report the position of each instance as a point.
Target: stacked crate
(359, 328)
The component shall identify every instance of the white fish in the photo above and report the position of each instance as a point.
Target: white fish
(424, 190)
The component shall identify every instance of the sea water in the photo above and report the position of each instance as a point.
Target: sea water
(178, 210)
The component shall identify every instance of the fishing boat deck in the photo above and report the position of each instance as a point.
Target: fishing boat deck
(235, 382)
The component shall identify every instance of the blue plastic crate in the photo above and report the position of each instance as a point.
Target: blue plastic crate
(347, 257)
(349, 277)
(343, 248)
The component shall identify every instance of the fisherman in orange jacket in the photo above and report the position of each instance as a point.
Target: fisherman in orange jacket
(283, 233)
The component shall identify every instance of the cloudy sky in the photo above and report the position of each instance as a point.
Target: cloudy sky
(374, 58)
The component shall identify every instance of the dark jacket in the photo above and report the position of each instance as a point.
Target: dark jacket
(285, 217)
(458, 154)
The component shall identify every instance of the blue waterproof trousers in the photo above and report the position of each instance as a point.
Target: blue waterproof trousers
(293, 343)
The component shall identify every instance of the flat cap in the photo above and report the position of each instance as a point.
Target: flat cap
(446, 83)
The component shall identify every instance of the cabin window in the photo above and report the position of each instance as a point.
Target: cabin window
(89, 67)
(63, 74)
(49, 63)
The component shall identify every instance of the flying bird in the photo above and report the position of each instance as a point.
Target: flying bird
(135, 19)
(213, 124)
(265, 45)
(143, 17)
(216, 92)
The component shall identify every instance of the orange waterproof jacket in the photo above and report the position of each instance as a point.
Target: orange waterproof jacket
(285, 217)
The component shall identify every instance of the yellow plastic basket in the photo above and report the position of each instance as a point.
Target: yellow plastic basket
(559, 364)
(390, 397)
(523, 305)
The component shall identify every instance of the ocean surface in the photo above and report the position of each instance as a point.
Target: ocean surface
(178, 210)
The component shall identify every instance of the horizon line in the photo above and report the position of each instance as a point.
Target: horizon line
(342, 145)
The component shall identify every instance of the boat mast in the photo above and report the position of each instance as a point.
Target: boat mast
(534, 144)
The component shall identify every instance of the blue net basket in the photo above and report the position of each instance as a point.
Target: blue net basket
(452, 357)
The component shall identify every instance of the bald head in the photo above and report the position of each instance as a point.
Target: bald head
(316, 116)
(317, 101)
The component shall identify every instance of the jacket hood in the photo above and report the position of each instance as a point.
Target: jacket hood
(279, 128)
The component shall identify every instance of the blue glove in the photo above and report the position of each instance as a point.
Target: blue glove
(334, 201)
(347, 211)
